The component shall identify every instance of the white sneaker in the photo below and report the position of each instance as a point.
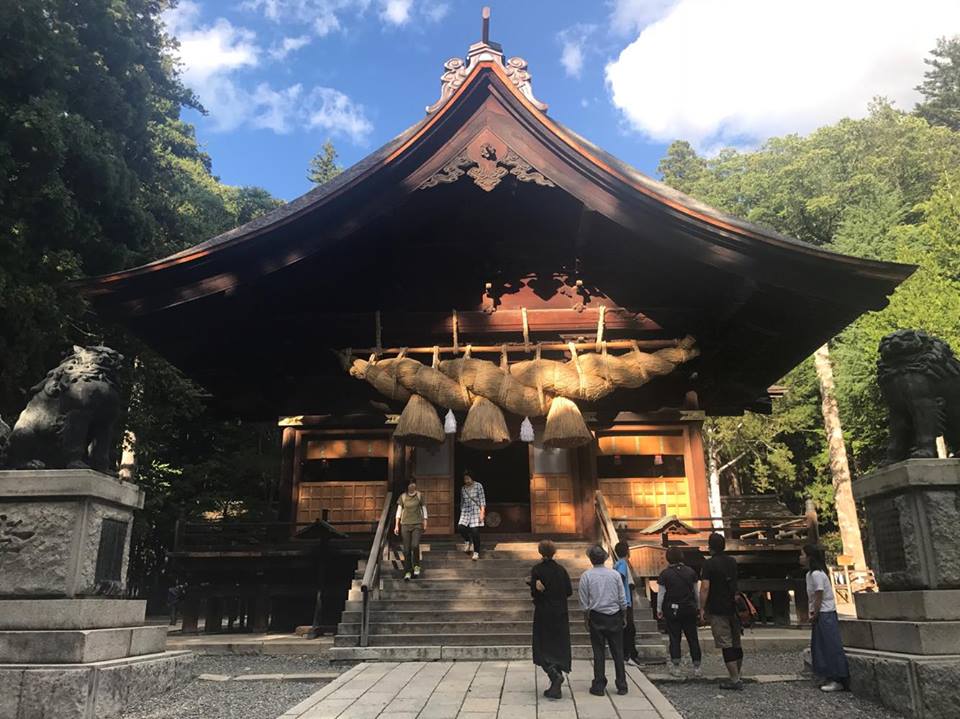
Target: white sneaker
(697, 671)
(675, 670)
(406, 577)
(476, 556)
(467, 547)
(416, 571)
(832, 687)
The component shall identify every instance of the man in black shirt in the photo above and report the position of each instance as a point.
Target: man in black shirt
(718, 588)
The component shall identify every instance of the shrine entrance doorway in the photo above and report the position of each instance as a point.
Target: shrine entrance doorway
(505, 476)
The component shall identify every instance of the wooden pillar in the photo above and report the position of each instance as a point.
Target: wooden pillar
(697, 470)
(213, 616)
(287, 491)
(802, 602)
(781, 608)
(191, 614)
(586, 461)
(260, 619)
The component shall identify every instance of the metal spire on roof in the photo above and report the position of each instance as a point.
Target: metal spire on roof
(457, 70)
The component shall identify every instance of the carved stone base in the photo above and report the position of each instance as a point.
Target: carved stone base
(92, 690)
(913, 523)
(64, 533)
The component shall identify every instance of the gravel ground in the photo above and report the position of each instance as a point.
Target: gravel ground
(705, 700)
(235, 700)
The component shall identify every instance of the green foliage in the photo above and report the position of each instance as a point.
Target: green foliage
(885, 187)
(97, 173)
(323, 165)
(941, 85)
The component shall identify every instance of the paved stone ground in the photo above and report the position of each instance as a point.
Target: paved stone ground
(475, 690)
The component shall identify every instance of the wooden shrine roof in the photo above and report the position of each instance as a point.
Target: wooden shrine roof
(490, 207)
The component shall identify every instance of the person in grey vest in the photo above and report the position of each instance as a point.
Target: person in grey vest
(604, 606)
(411, 523)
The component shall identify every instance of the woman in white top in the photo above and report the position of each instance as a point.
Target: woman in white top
(826, 647)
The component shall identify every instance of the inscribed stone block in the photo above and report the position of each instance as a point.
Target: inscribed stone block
(60, 693)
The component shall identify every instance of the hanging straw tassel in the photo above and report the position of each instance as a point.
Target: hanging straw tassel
(565, 425)
(450, 422)
(526, 430)
(485, 426)
(419, 424)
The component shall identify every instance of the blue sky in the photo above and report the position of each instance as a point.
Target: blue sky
(279, 77)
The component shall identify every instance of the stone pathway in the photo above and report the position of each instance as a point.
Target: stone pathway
(476, 690)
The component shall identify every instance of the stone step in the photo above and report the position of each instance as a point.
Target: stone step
(652, 655)
(466, 614)
(470, 571)
(477, 604)
(644, 630)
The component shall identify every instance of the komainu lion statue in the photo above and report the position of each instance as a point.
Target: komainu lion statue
(920, 381)
(69, 422)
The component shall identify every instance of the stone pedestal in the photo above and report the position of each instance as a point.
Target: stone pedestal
(904, 646)
(69, 646)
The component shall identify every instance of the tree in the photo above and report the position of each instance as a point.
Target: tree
(323, 166)
(844, 503)
(941, 85)
(886, 187)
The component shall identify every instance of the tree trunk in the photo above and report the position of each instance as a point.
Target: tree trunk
(128, 454)
(839, 468)
(713, 476)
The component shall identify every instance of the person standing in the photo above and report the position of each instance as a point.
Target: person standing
(604, 605)
(411, 523)
(826, 646)
(622, 566)
(718, 588)
(678, 604)
(473, 513)
(550, 588)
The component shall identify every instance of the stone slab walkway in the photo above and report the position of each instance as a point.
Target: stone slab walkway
(476, 690)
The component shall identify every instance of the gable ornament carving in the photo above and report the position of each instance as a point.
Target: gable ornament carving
(486, 162)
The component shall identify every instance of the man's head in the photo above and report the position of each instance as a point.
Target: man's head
(674, 555)
(622, 549)
(597, 555)
(547, 549)
(467, 477)
(716, 543)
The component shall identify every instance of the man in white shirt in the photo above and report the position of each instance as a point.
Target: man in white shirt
(604, 605)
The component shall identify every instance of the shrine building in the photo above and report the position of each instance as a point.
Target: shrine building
(567, 322)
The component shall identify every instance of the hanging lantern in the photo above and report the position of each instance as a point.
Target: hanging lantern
(450, 423)
(526, 430)
(658, 458)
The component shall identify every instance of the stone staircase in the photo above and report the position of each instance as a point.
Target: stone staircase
(466, 610)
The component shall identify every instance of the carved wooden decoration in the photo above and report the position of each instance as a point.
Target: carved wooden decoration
(516, 69)
(487, 160)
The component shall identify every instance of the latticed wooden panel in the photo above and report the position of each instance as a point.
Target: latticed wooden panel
(554, 510)
(358, 502)
(438, 493)
(646, 497)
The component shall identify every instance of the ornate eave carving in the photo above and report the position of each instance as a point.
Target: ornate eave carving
(457, 70)
(486, 160)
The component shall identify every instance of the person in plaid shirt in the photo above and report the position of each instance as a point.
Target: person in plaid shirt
(473, 513)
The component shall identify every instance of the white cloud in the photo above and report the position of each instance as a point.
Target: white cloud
(335, 113)
(212, 55)
(574, 42)
(434, 11)
(288, 45)
(630, 16)
(395, 12)
(740, 71)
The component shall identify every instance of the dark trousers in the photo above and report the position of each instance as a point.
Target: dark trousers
(470, 534)
(687, 625)
(607, 630)
(410, 534)
(630, 636)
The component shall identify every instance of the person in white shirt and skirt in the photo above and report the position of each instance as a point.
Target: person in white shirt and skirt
(473, 513)
(826, 647)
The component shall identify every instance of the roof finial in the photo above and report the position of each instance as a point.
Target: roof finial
(485, 14)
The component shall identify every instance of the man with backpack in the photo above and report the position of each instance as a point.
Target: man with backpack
(410, 524)
(718, 606)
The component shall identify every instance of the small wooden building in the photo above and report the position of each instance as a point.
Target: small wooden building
(490, 223)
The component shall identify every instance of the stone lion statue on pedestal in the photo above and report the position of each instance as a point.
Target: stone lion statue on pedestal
(919, 377)
(70, 420)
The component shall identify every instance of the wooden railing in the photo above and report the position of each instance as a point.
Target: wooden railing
(240, 534)
(608, 532)
(747, 530)
(371, 573)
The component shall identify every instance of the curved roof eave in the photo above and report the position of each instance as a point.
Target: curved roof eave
(596, 156)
